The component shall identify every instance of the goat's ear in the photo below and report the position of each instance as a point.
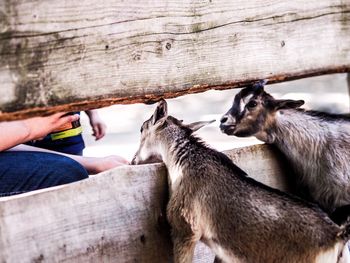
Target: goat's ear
(259, 86)
(288, 104)
(160, 112)
(195, 126)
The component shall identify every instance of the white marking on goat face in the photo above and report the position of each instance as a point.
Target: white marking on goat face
(243, 102)
(149, 145)
(144, 151)
(247, 98)
(241, 105)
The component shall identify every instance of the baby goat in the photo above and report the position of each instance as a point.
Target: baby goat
(317, 144)
(240, 219)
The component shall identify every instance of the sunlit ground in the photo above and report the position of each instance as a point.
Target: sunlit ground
(326, 93)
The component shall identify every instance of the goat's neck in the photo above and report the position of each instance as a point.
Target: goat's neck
(174, 152)
(300, 136)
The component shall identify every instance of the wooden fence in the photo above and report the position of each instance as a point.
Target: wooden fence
(115, 216)
(77, 55)
(65, 55)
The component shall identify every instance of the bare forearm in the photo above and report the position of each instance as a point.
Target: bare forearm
(16, 132)
(13, 134)
(93, 165)
(84, 161)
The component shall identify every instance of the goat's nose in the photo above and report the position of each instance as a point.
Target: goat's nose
(224, 119)
(227, 120)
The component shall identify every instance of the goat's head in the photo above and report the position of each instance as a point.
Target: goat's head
(252, 112)
(155, 128)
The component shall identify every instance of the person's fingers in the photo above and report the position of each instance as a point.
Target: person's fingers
(121, 160)
(56, 117)
(58, 114)
(97, 132)
(66, 119)
(102, 130)
(125, 162)
(101, 164)
(122, 164)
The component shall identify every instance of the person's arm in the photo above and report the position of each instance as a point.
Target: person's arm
(97, 124)
(93, 165)
(16, 132)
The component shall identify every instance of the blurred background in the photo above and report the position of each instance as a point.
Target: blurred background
(325, 93)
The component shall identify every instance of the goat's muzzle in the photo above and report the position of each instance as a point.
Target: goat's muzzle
(228, 124)
(228, 129)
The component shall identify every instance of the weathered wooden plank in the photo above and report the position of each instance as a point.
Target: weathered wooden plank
(266, 164)
(348, 80)
(111, 217)
(60, 55)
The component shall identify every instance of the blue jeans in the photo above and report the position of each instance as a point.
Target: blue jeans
(27, 171)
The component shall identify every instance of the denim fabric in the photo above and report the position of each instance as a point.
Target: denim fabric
(71, 145)
(27, 171)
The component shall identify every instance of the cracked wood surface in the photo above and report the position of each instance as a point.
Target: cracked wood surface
(115, 216)
(68, 55)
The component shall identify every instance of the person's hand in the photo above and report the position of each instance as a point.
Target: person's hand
(98, 128)
(39, 127)
(97, 124)
(96, 165)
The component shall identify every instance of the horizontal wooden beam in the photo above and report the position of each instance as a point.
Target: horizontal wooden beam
(75, 55)
(116, 216)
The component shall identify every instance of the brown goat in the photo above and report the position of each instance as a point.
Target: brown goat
(240, 219)
(316, 144)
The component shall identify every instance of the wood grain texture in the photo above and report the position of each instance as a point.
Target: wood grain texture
(348, 80)
(111, 217)
(265, 164)
(75, 55)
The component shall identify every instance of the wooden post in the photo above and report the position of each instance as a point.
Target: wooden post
(76, 55)
(116, 216)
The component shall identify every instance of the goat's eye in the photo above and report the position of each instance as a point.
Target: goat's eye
(252, 104)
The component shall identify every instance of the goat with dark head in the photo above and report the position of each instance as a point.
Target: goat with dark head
(240, 219)
(316, 144)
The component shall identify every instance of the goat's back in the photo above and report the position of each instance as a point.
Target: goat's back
(252, 220)
(317, 145)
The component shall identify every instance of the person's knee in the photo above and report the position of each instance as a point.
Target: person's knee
(72, 171)
(37, 170)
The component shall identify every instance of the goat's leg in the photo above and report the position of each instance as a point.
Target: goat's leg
(183, 248)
